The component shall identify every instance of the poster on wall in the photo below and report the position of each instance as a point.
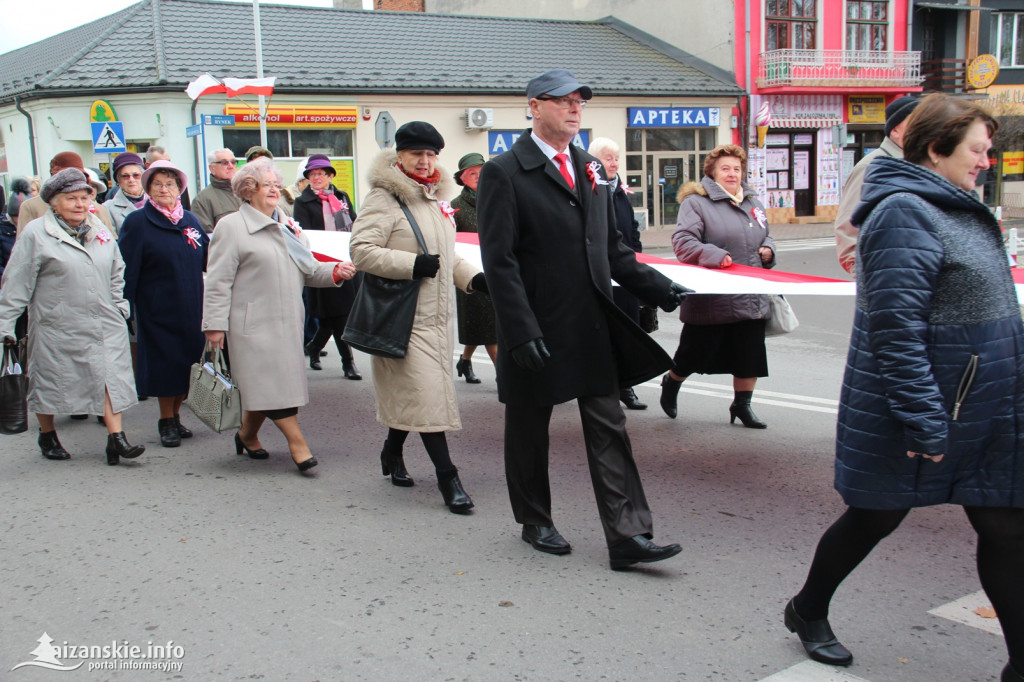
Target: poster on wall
(829, 169)
(777, 159)
(756, 175)
(801, 169)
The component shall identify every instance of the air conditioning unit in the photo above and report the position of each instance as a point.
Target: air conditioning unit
(479, 119)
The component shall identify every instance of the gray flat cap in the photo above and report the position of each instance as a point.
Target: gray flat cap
(556, 83)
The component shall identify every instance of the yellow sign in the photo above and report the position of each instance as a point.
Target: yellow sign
(982, 71)
(865, 109)
(1013, 163)
(101, 111)
(344, 176)
(294, 117)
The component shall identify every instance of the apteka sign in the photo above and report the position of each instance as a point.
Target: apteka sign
(674, 117)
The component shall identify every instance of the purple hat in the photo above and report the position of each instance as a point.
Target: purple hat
(164, 166)
(126, 159)
(318, 161)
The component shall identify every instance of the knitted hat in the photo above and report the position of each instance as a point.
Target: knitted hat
(898, 110)
(66, 160)
(126, 159)
(63, 182)
(14, 205)
(318, 161)
(471, 160)
(418, 135)
(164, 166)
(257, 151)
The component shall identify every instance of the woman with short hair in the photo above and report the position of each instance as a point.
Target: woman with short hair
(127, 170)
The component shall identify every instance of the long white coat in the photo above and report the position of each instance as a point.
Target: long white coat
(77, 334)
(254, 293)
(415, 393)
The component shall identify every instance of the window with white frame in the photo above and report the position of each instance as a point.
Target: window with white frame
(1008, 37)
(790, 24)
(867, 25)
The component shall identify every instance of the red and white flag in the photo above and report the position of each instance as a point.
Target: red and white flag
(249, 86)
(204, 85)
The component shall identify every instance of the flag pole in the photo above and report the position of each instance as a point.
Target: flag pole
(259, 70)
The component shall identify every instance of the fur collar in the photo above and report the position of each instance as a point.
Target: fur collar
(384, 175)
(711, 189)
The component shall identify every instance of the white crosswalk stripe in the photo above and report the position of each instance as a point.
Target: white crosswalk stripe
(811, 671)
(963, 610)
(805, 244)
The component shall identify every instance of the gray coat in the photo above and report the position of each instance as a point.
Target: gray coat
(710, 226)
(77, 335)
(254, 293)
(119, 207)
(846, 231)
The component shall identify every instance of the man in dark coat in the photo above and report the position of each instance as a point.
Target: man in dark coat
(550, 249)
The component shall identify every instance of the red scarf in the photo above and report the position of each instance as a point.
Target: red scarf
(436, 177)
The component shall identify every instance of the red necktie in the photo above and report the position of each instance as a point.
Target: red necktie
(563, 168)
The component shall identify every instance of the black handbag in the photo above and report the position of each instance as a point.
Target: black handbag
(380, 322)
(13, 394)
(648, 318)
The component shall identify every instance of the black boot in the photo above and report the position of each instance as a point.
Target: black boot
(669, 394)
(314, 357)
(451, 490)
(629, 399)
(51, 447)
(118, 446)
(465, 366)
(393, 464)
(169, 436)
(1010, 675)
(817, 637)
(741, 408)
(182, 431)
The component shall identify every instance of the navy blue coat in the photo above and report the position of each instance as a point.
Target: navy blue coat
(936, 360)
(330, 301)
(163, 281)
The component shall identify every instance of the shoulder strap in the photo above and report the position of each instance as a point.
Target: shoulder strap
(413, 225)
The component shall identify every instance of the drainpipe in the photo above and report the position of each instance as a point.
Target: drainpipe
(31, 135)
(747, 81)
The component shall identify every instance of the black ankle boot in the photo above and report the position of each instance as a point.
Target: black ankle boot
(629, 399)
(348, 368)
(465, 366)
(118, 446)
(314, 357)
(817, 637)
(451, 490)
(393, 464)
(669, 394)
(182, 431)
(1010, 675)
(51, 447)
(741, 408)
(168, 429)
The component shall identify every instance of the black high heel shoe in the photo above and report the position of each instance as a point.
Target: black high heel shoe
(258, 453)
(182, 430)
(465, 366)
(819, 641)
(51, 447)
(118, 446)
(454, 495)
(350, 371)
(306, 464)
(741, 408)
(395, 466)
(669, 395)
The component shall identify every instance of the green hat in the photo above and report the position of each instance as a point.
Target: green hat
(471, 160)
(253, 151)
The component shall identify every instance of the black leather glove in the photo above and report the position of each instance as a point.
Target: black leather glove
(531, 355)
(479, 283)
(676, 295)
(426, 265)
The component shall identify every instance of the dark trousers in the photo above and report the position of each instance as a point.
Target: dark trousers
(332, 326)
(620, 494)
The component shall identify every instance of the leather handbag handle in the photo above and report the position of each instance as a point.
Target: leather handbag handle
(413, 225)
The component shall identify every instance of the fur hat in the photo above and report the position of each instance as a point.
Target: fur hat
(63, 182)
(66, 160)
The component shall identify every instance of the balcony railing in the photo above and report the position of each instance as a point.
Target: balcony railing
(945, 75)
(838, 68)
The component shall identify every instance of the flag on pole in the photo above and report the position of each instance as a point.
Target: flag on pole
(204, 85)
(249, 86)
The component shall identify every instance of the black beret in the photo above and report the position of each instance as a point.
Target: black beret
(898, 110)
(418, 135)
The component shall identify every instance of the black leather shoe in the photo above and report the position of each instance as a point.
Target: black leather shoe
(453, 493)
(394, 465)
(546, 539)
(817, 637)
(182, 431)
(464, 366)
(169, 436)
(1010, 675)
(669, 395)
(746, 416)
(314, 358)
(639, 549)
(51, 447)
(629, 399)
(349, 368)
(306, 464)
(118, 446)
(259, 453)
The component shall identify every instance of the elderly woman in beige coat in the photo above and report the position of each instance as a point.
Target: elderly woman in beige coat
(67, 272)
(259, 261)
(416, 393)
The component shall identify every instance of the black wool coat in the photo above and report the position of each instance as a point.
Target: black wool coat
(550, 253)
(329, 302)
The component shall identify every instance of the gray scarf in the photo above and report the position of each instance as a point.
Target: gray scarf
(297, 251)
(76, 233)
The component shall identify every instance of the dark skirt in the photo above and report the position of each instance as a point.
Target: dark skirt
(735, 348)
(476, 322)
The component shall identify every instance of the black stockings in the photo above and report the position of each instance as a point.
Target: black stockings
(436, 444)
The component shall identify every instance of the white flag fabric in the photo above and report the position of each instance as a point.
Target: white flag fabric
(249, 86)
(204, 85)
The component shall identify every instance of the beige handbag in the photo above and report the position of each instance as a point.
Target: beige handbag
(782, 319)
(211, 396)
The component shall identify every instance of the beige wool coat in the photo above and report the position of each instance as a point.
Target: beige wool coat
(415, 393)
(77, 330)
(254, 293)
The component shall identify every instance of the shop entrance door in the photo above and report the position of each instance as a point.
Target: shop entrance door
(804, 177)
(666, 173)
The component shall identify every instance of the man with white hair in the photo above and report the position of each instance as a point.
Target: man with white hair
(217, 200)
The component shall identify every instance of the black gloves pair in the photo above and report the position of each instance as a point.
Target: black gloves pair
(676, 295)
(426, 265)
(479, 283)
(531, 355)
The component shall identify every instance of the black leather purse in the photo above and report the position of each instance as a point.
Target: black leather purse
(13, 393)
(384, 309)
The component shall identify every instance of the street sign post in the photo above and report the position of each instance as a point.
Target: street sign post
(193, 131)
(108, 137)
(200, 129)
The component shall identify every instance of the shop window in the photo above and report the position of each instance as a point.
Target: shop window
(790, 24)
(867, 25)
(670, 139)
(291, 143)
(1008, 35)
(239, 140)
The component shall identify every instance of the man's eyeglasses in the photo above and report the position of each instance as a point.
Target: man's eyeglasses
(565, 102)
(223, 162)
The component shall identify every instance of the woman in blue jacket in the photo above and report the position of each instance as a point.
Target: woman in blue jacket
(932, 405)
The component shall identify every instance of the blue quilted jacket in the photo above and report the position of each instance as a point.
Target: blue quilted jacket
(936, 360)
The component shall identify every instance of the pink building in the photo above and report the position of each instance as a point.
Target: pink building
(811, 65)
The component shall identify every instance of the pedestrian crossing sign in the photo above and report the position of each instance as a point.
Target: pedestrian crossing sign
(108, 137)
